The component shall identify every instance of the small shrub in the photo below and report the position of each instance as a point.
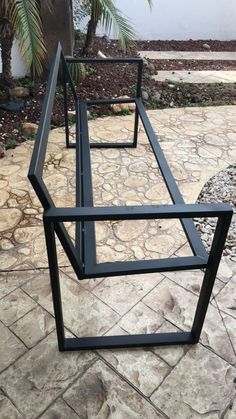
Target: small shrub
(10, 143)
(77, 71)
(125, 112)
(79, 35)
(31, 137)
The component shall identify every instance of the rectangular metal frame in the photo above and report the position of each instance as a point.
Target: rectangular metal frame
(82, 256)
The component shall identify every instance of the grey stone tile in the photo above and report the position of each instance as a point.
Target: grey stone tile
(227, 270)
(173, 302)
(141, 319)
(123, 292)
(34, 326)
(11, 347)
(7, 409)
(14, 306)
(170, 354)
(184, 250)
(116, 331)
(178, 306)
(141, 367)
(39, 289)
(201, 385)
(84, 313)
(88, 284)
(226, 299)
(59, 410)
(230, 325)
(192, 281)
(100, 393)
(41, 375)
(231, 412)
(9, 281)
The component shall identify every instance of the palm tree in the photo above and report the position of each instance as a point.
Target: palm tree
(106, 13)
(21, 19)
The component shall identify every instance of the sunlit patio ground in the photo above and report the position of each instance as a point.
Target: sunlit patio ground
(173, 382)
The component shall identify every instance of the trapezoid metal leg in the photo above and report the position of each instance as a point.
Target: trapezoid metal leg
(55, 282)
(210, 274)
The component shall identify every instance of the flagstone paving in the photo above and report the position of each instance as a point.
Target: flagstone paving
(189, 55)
(174, 382)
(197, 76)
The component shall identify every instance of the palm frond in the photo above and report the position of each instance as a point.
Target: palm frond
(112, 18)
(26, 21)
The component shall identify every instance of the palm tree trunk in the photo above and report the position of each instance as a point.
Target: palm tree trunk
(91, 32)
(6, 42)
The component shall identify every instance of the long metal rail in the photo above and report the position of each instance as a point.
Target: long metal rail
(82, 255)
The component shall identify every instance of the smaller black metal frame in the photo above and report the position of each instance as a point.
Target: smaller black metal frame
(82, 255)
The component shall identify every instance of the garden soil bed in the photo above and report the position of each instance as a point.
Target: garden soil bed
(116, 80)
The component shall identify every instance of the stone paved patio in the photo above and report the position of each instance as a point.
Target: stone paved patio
(189, 55)
(177, 382)
(195, 76)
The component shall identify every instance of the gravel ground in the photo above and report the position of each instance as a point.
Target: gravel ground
(117, 80)
(189, 45)
(192, 65)
(220, 188)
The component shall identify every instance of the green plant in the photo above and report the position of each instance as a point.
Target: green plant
(79, 35)
(77, 71)
(91, 70)
(21, 18)
(30, 84)
(110, 17)
(169, 81)
(72, 121)
(59, 94)
(185, 84)
(31, 137)
(125, 112)
(10, 143)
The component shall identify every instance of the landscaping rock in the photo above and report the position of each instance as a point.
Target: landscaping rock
(220, 188)
(19, 92)
(145, 95)
(206, 46)
(145, 62)
(151, 67)
(157, 96)
(28, 128)
(195, 99)
(71, 115)
(101, 55)
(119, 107)
(13, 105)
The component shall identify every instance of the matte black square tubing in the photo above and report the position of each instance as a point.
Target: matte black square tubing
(50, 218)
(83, 256)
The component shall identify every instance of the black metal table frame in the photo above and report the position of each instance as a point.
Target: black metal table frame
(82, 255)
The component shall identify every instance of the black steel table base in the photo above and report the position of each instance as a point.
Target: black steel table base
(82, 254)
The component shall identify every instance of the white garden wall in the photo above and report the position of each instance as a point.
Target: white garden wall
(182, 19)
(169, 19)
(17, 65)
